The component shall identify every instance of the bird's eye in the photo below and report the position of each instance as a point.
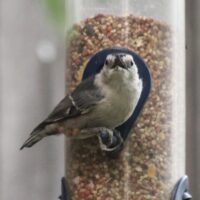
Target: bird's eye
(106, 62)
(131, 63)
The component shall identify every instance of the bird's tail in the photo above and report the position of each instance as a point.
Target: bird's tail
(33, 139)
(41, 131)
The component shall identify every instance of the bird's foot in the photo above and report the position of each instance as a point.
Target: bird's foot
(110, 140)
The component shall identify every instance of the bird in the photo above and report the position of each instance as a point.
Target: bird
(97, 105)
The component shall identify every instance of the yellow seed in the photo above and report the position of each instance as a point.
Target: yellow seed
(151, 172)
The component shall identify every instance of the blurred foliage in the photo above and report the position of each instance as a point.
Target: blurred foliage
(56, 10)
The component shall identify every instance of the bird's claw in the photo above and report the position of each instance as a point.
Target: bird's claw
(110, 140)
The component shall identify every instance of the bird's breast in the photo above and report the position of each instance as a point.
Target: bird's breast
(120, 104)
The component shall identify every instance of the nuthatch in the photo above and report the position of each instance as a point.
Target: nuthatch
(99, 103)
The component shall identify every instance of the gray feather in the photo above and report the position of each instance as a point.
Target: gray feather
(87, 94)
(34, 138)
(81, 101)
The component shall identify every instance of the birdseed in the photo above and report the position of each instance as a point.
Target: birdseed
(143, 169)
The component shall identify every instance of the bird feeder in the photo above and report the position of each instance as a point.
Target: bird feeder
(152, 158)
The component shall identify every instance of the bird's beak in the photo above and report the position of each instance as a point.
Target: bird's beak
(119, 62)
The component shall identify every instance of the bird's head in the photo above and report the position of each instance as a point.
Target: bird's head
(120, 65)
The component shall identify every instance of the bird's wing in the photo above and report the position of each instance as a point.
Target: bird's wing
(79, 102)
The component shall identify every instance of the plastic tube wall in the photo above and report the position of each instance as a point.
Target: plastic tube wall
(154, 155)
